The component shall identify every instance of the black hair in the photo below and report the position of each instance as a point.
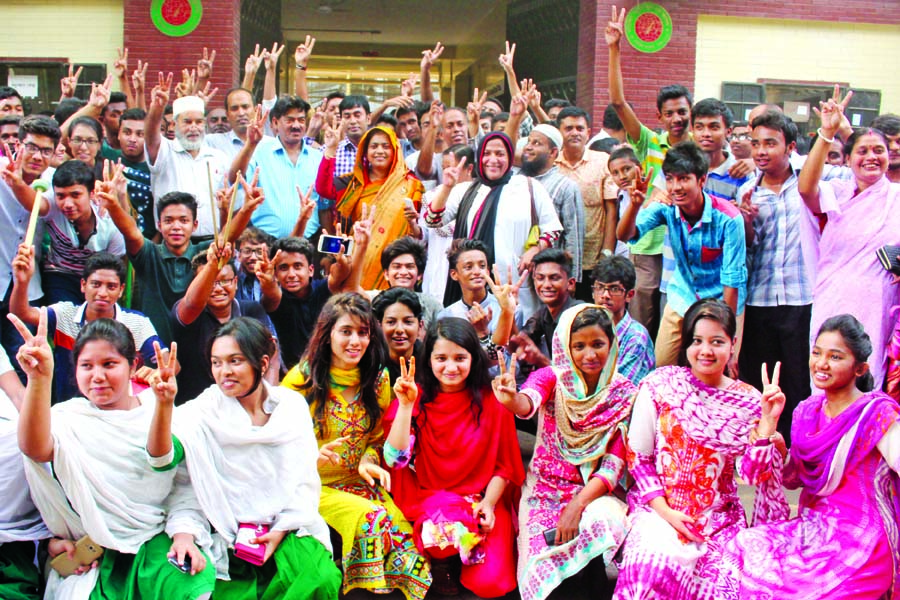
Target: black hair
(104, 261)
(106, 330)
(740, 123)
(554, 255)
(404, 110)
(606, 144)
(353, 101)
(396, 295)
(887, 123)
(500, 116)
(386, 119)
(772, 119)
(611, 119)
(199, 261)
(858, 133)
(235, 90)
(334, 95)
(66, 108)
(133, 114)
(465, 245)
(74, 172)
(316, 361)
(254, 340)
(10, 92)
(685, 158)
(87, 122)
(595, 316)
(171, 198)
(573, 111)
(463, 334)
(293, 244)
(114, 98)
(486, 114)
(40, 125)
(11, 120)
(708, 308)
(461, 150)
(554, 102)
(404, 245)
(422, 108)
(857, 340)
(626, 152)
(615, 268)
(672, 92)
(496, 101)
(254, 235)
(288, 103)
(712, 107)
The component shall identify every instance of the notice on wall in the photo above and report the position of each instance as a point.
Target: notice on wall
(27, 85)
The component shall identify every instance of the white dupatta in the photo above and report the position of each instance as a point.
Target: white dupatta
(20, 521)
(247, 474)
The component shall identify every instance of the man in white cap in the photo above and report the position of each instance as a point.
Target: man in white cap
(539, 161)
(181, 165)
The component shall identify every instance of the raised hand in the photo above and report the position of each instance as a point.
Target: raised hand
(408, 85)
(527, 351)
(13, 173)
(504, 384)
(772, 402)
(831, 112)
(451, 175)
(506, 59)
(164, 385)
(100, 93)
(271, 56)
(362, 228)
(23, 264)
(218, 251)
(139, 78)
(518, 106)
(34, 356)
(68, 85)
(638, 191)
(207, 93)
(327, 453)
(307, 204)
(265, 268)
(304, 51)
(615, 29)
(120, 66)
(161, 92)
(748, 210)
(429, 57)
(400, 102)
(251, 65)
(405, 387)
(185, 87)
(332, 135)
(257, 127)
(253, 194)
(506, 294)
(205, 64)
(480, 318)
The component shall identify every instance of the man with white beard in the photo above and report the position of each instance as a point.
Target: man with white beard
(181, 165)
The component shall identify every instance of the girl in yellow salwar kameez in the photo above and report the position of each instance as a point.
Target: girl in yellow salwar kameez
(344, 380)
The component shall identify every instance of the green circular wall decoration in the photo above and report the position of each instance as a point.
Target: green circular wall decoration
(176, 18)
(648, 27)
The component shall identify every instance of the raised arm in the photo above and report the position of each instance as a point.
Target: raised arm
(251, 68)
(301, 60)
(121, 69)
(165, 387)
(23, 271)
(406, 392)
(255, 133)
(615, 29)
(831, 113)
(159, 98)
(98, 100)
(424, 166)
(270, 291)
(205, 67)
(429, 57)
(307, 206)
(626, 230)
(36, 359)
(506, 63)
(197, 295)
(270, 58)
(122, 219)
(139, 83)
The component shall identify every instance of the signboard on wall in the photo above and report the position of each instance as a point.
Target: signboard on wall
(26, 85)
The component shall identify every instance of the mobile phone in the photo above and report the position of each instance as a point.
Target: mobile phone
(409, 203)
(184, 567)
(86, 552)
(550, 536)
(331, 244)
(245, 550)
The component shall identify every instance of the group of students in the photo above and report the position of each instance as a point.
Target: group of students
(299, 425)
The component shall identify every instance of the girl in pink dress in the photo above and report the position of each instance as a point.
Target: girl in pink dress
(845, 456)
(691, 433)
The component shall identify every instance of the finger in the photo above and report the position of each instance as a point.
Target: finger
(501, 362)
(77, 73)
(412, 368)
(846, 101)
(403, 367)
(172, 358)
(765, 375)
(513, 363)
(521, 280)
(776, 373)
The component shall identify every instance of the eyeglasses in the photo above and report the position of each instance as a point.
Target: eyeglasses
(223, 283)
(612, 290)
(84, 141)
(35, 149)
(252, 251)
(742, 137)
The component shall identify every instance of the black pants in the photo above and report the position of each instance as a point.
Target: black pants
(773, 334)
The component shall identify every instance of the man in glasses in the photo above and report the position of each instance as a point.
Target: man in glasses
(250, 247)
(740, 140)
(614, 279)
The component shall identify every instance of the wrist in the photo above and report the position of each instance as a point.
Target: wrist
(827, 135)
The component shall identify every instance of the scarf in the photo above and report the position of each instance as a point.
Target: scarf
(587, 423)
(20, 521)
(485, 220)
(821, 453)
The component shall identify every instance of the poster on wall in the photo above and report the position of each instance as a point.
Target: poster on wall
(176, 18)
(648, 27)
(26, 85)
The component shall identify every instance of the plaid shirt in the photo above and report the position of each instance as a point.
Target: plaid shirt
(709, 255)
(345, 159)
(779, 275)
(636, 357)
(569, 206)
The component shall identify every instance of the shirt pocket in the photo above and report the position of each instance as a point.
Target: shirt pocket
(708, 255)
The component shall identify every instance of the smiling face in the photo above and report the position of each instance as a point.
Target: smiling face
(231, 370)
(451, 364)
(710, 133)
(294, 272)
(709, 350)
(176, 225)
(589, 347)
(675, 117)
(832, 366)
(575, 132)
(868, 159)
(102, 289)
(771, 154)
(402, 272)
(494, 160)
(379, 153)
(103, 375)
(84, 144)
(401, 329)
(349, 340)
(552, 285)
(455, 128)
(34, 147)
(686, 191)
(471, 271)
(536, 156)
(190, 129)
(224, 288)
(291, 127)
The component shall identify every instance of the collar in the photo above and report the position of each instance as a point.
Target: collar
(487, 297)
(167, 254)
(347, 142)
(726, 164)
(792, 178)
(205, 149)
(623, 324)
(706, 217)
(79, 313)
(561, 159)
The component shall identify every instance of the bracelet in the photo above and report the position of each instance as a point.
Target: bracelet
(823, 136)
(301, 67)
(758, 440)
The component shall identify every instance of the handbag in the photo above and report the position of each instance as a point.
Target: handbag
(534, 234)
(889, 256)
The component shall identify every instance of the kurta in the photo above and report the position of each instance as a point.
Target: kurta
(378, 552)
(684, 441)
(844, 542)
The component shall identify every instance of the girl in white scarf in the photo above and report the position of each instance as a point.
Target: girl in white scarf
(87, 469)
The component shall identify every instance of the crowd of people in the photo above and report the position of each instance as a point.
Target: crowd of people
(270, 350)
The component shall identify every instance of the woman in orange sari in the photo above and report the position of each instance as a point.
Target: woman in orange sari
(380, 180)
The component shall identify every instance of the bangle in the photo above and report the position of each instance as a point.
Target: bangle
(301, 67)
(822, 135)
